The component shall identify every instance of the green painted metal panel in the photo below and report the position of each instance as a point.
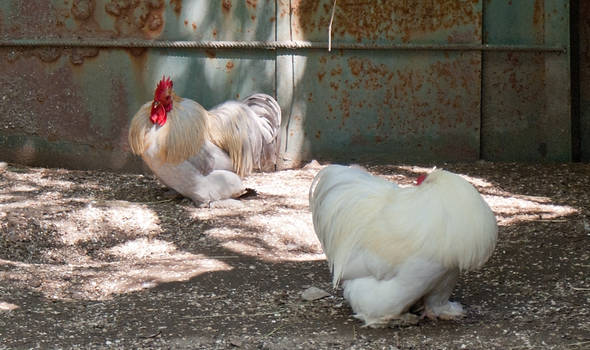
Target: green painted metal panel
(70, 106)
(375, 106)
(526, 95)
(381, 105)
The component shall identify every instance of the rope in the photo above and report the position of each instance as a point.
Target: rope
(269, 45)
(330, 27)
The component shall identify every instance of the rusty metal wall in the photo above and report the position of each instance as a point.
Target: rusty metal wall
(526, 95)
(386, 105)
(436, 93)
(584, 66)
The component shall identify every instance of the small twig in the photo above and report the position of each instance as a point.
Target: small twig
(581, 289)
(578, 343)
(151, 335)
(271, 332)
(330, 27)
(222, 257)
(549, 220)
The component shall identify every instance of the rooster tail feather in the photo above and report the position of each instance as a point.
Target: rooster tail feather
(247, 131)
(229, 130)
(268, 112)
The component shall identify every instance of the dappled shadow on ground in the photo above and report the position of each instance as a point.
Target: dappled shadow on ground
(110, 258)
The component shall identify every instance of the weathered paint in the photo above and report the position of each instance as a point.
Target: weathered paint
(357, 106)
(386, 21)
(71, 106)
(584, 61)
(381, 106)
(526, 96)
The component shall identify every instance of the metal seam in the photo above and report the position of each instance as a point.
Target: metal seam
(271, 45)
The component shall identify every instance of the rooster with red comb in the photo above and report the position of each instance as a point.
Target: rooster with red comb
(204, 154)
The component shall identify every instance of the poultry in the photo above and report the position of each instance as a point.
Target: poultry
(398, 247)
(204, 154)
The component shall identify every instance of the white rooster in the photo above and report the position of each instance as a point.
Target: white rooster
(395, 247)
(203, 154)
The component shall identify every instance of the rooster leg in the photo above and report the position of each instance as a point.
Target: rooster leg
(376, 302)
(437, 304)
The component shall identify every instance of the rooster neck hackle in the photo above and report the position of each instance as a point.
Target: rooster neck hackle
(181, 137)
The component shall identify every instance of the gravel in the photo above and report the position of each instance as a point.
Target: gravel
(92, 259)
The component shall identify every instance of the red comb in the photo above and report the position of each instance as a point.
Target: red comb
(163, 87)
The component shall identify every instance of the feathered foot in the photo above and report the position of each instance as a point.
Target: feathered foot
(449, 311)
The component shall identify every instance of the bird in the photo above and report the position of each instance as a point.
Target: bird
(204, 154)
(396, 249)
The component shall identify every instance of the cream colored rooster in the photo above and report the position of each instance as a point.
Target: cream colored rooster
(396, 247)
(204, 154)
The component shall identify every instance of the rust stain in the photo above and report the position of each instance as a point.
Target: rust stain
(336, 71)
(229, 66)
(252, 3)
(155, 4)
(384, 19)
(194, 25)
(79, 54)
(176, 6)
(226, 5)
(82, 9)
(185, 22)
(134, 17)
(321, 75)
(538, 14)
(210, 53)
(318, 134)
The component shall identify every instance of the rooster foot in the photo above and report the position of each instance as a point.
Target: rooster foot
(247, 193)
(450, 311)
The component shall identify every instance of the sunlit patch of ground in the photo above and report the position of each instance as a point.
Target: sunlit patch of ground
(77, 235)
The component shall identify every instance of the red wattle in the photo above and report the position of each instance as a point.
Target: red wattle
(158, 115)
(420, 179)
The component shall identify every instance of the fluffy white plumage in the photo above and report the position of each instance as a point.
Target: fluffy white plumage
(393, 246)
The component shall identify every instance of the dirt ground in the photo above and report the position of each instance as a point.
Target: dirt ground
(92, 259)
